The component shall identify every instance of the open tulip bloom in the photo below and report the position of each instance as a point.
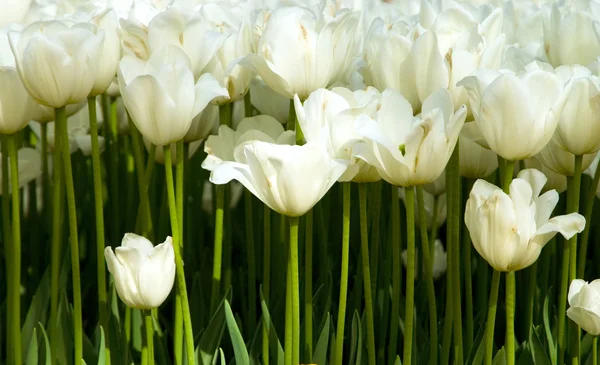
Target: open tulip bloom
(510, 230)
(584, 308)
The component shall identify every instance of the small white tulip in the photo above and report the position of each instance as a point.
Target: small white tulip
(584, 307)
(440, 262)
(30, 167)
(16, 106)
(144, 274)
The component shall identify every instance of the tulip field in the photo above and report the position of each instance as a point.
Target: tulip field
(287, 182)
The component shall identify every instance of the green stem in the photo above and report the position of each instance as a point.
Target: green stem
(396, 276)
(428, 265)
(187, 320)
(112, 149)
(341, 319)
(141, 180)
(149, 326)
(294, 223)
(45, 175)
(308, 287)
(178, 317)
(562, 302)
(595, 350)
(531, 289)
(364, 249)
(491, 318)
(99, 206)
(447, 332)
(61, 127)
(510, 318)
(434, 222)
(15, 252)
(589, 208)
(58, 202)
(375, 235)
(218, 247)
(226, 118)
(291, 123)
(573, 207)
(453, 182)
(466, 247)
(266, 284)
(289, 314)
(251, 322)
(127, 330)
(7, 239)
(410, 273)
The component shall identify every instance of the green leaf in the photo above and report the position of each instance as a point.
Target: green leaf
(398, 361)
(475, 356)
(211, 337)
(239, 347)
(47, 349)
(273, 340)
(500, 358)
(356, 340)
(102, 349)
(320, 355)
(37, 312)
(526, 358)
(548, 330)
(32, 349)
(538, 352)
(223, 362)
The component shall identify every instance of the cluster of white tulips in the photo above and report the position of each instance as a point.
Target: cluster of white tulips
(461, 124)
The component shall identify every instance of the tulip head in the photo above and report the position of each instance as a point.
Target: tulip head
(510, 230)
(144, 274)
(16, 106)
(584, 308)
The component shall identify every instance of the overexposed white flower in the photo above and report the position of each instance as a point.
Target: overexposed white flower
(584, 308)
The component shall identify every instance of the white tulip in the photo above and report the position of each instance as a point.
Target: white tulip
(409, 150)
(144, 274)
(510, 230)
(557, 159)
(161, 95)
(475, 160)
(57, 63)
(111, 51)
(159, 155)
(299, 52)
(429, 203)
(288, 179)
(13, 11)
(30, 167)
(439, 257)
(584, 308)
(517, 114)
(555, 181)
(268, 102)
(16, 106)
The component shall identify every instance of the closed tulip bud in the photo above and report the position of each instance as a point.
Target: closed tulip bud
(57, 63)
(143, 274)
(111, 51)
(409, 150)
(517, 114)
(584, 308)
(161, 95)
(558, 160)
(510, 230)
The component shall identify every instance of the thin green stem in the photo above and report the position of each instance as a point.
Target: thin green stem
(187, 320)
(45, 175)
(466, 248)
(491, 318)
(226, 118)
(289, 314)
(218, 247)
(178, 317)
(58, 202)
(531, 289)
(291, 123)
(341, 319)
(149, 326)
(562, 302)
(428, 265)
(308, 287)
(112, 149)
(99, 214)
(127, 330)
(510, 318)
(434, 222)
(447, 331)
(15, 253)
(266, 283)
(453, 185)
(410, 273)
(595, 350)
(7, 250)
(573, 207)
(141, 180)
(364, 249)
(396, 276)
(375, 235)
(61, 127)
(295, 289)
(589, 208)
(251, 322)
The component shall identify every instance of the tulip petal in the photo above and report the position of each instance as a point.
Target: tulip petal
(267, 72)
(207, 89)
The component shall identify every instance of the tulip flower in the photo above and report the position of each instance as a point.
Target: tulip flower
(30, 166)
(328, 117)
(440, 262)
(221, 148)
(143, 274)
(203, 124)
(299, 52)
(57, 63)
(268, 102)
(409, 150)
(475, 160)
(161, 95)
(583, 305)
(557, 159)
(111, 51)
(16, 106)
(510, 230)
(288, 179)
(13, 11)
(517, 114)
(429, 203)
(159, 155)
(578, 128)
(555, 181)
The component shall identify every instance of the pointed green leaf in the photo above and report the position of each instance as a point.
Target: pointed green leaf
(500, 358)
(273, 339)
(398, 361)
(548, 330)
(211, 337)
(102, 349)
(320, 355)
(239, 347)
(32, 349)
(47, 350)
